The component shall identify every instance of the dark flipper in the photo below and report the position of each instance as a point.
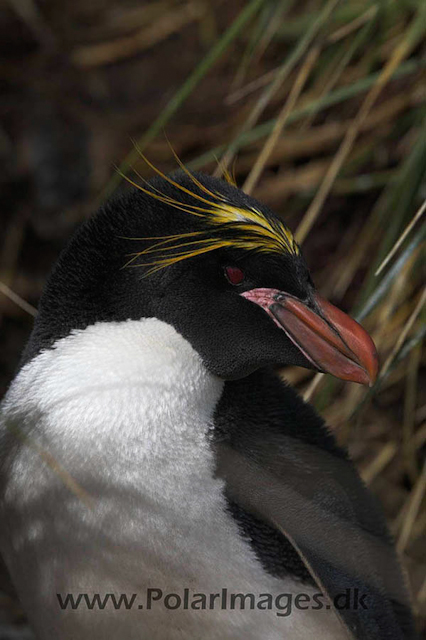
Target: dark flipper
(306, 489)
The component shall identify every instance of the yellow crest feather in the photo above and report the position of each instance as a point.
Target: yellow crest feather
(226, 225)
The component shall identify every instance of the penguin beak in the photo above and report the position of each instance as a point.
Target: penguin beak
(330, 340)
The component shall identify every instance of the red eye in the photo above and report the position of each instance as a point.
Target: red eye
(234, 275)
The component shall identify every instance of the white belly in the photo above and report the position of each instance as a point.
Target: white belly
(112, 491)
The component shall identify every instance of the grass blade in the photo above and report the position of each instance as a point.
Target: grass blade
(186, 89)
(315, 106)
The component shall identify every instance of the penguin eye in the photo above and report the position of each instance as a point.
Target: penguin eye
(234, 275)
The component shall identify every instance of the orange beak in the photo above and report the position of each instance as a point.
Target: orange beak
(330, 340)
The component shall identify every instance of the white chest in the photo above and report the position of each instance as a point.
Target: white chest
(112, 491)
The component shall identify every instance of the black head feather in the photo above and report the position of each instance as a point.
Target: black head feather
(94, 281)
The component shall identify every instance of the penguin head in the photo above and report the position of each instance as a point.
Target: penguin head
(222, 269)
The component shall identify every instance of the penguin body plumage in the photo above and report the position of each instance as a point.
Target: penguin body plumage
(147, 442)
